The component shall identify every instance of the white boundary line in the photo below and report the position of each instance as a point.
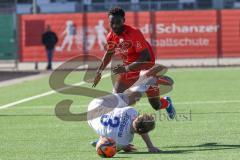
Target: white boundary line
(104, 76)
(43, 95)
(206, 102)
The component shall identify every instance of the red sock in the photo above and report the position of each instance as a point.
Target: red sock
(164, 103)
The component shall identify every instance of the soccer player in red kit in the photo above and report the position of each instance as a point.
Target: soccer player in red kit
(136, 54)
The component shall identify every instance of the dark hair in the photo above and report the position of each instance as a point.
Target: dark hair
(145, 123)
(116, 11)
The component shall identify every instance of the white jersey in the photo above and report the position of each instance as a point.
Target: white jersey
(115, 124)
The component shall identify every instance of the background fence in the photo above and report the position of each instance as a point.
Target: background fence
(8, 32)
(176, 29)
(173, 34)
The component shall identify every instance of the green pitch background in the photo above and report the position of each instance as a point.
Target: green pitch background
(207, 125)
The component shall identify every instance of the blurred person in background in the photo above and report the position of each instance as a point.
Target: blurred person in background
(49, 40)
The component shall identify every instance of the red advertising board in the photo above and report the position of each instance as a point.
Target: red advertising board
(173, 34)
(230, 33)
(186, 34)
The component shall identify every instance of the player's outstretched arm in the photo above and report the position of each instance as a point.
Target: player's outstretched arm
(128, 148)
(105, 61)
(151, 147)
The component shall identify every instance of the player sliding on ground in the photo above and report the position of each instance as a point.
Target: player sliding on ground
(136, 54)
(112, 116)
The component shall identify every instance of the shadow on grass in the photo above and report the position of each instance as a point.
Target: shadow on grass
(193, 148)
(209, 146)
(120, 157)
(162, 152)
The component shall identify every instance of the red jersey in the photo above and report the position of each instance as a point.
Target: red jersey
(129, 44)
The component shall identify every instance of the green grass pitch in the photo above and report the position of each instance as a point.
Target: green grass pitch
(207, 101)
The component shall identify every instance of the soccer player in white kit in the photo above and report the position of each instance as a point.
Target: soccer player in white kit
(112, 116)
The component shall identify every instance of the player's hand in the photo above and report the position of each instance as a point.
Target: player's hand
(129, 148)
(153, 150)
(119, 69)
(97, 79)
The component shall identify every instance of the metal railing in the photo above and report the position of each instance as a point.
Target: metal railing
(79, 6)
(142, 6)
(7, 8)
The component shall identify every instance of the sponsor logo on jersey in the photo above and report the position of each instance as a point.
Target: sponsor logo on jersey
(123, 123)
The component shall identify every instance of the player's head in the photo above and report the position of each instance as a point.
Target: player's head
(143, 124)
(116, 18)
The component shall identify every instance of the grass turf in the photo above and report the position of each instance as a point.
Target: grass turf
(206, 127)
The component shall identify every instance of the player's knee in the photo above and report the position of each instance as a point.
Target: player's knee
(137, 96)
(133, 97)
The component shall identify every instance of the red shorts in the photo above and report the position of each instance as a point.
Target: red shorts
(126, 80)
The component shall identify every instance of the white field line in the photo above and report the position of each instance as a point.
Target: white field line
(203, 69)
(144, 104)
(43, 94)
(209, 102)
